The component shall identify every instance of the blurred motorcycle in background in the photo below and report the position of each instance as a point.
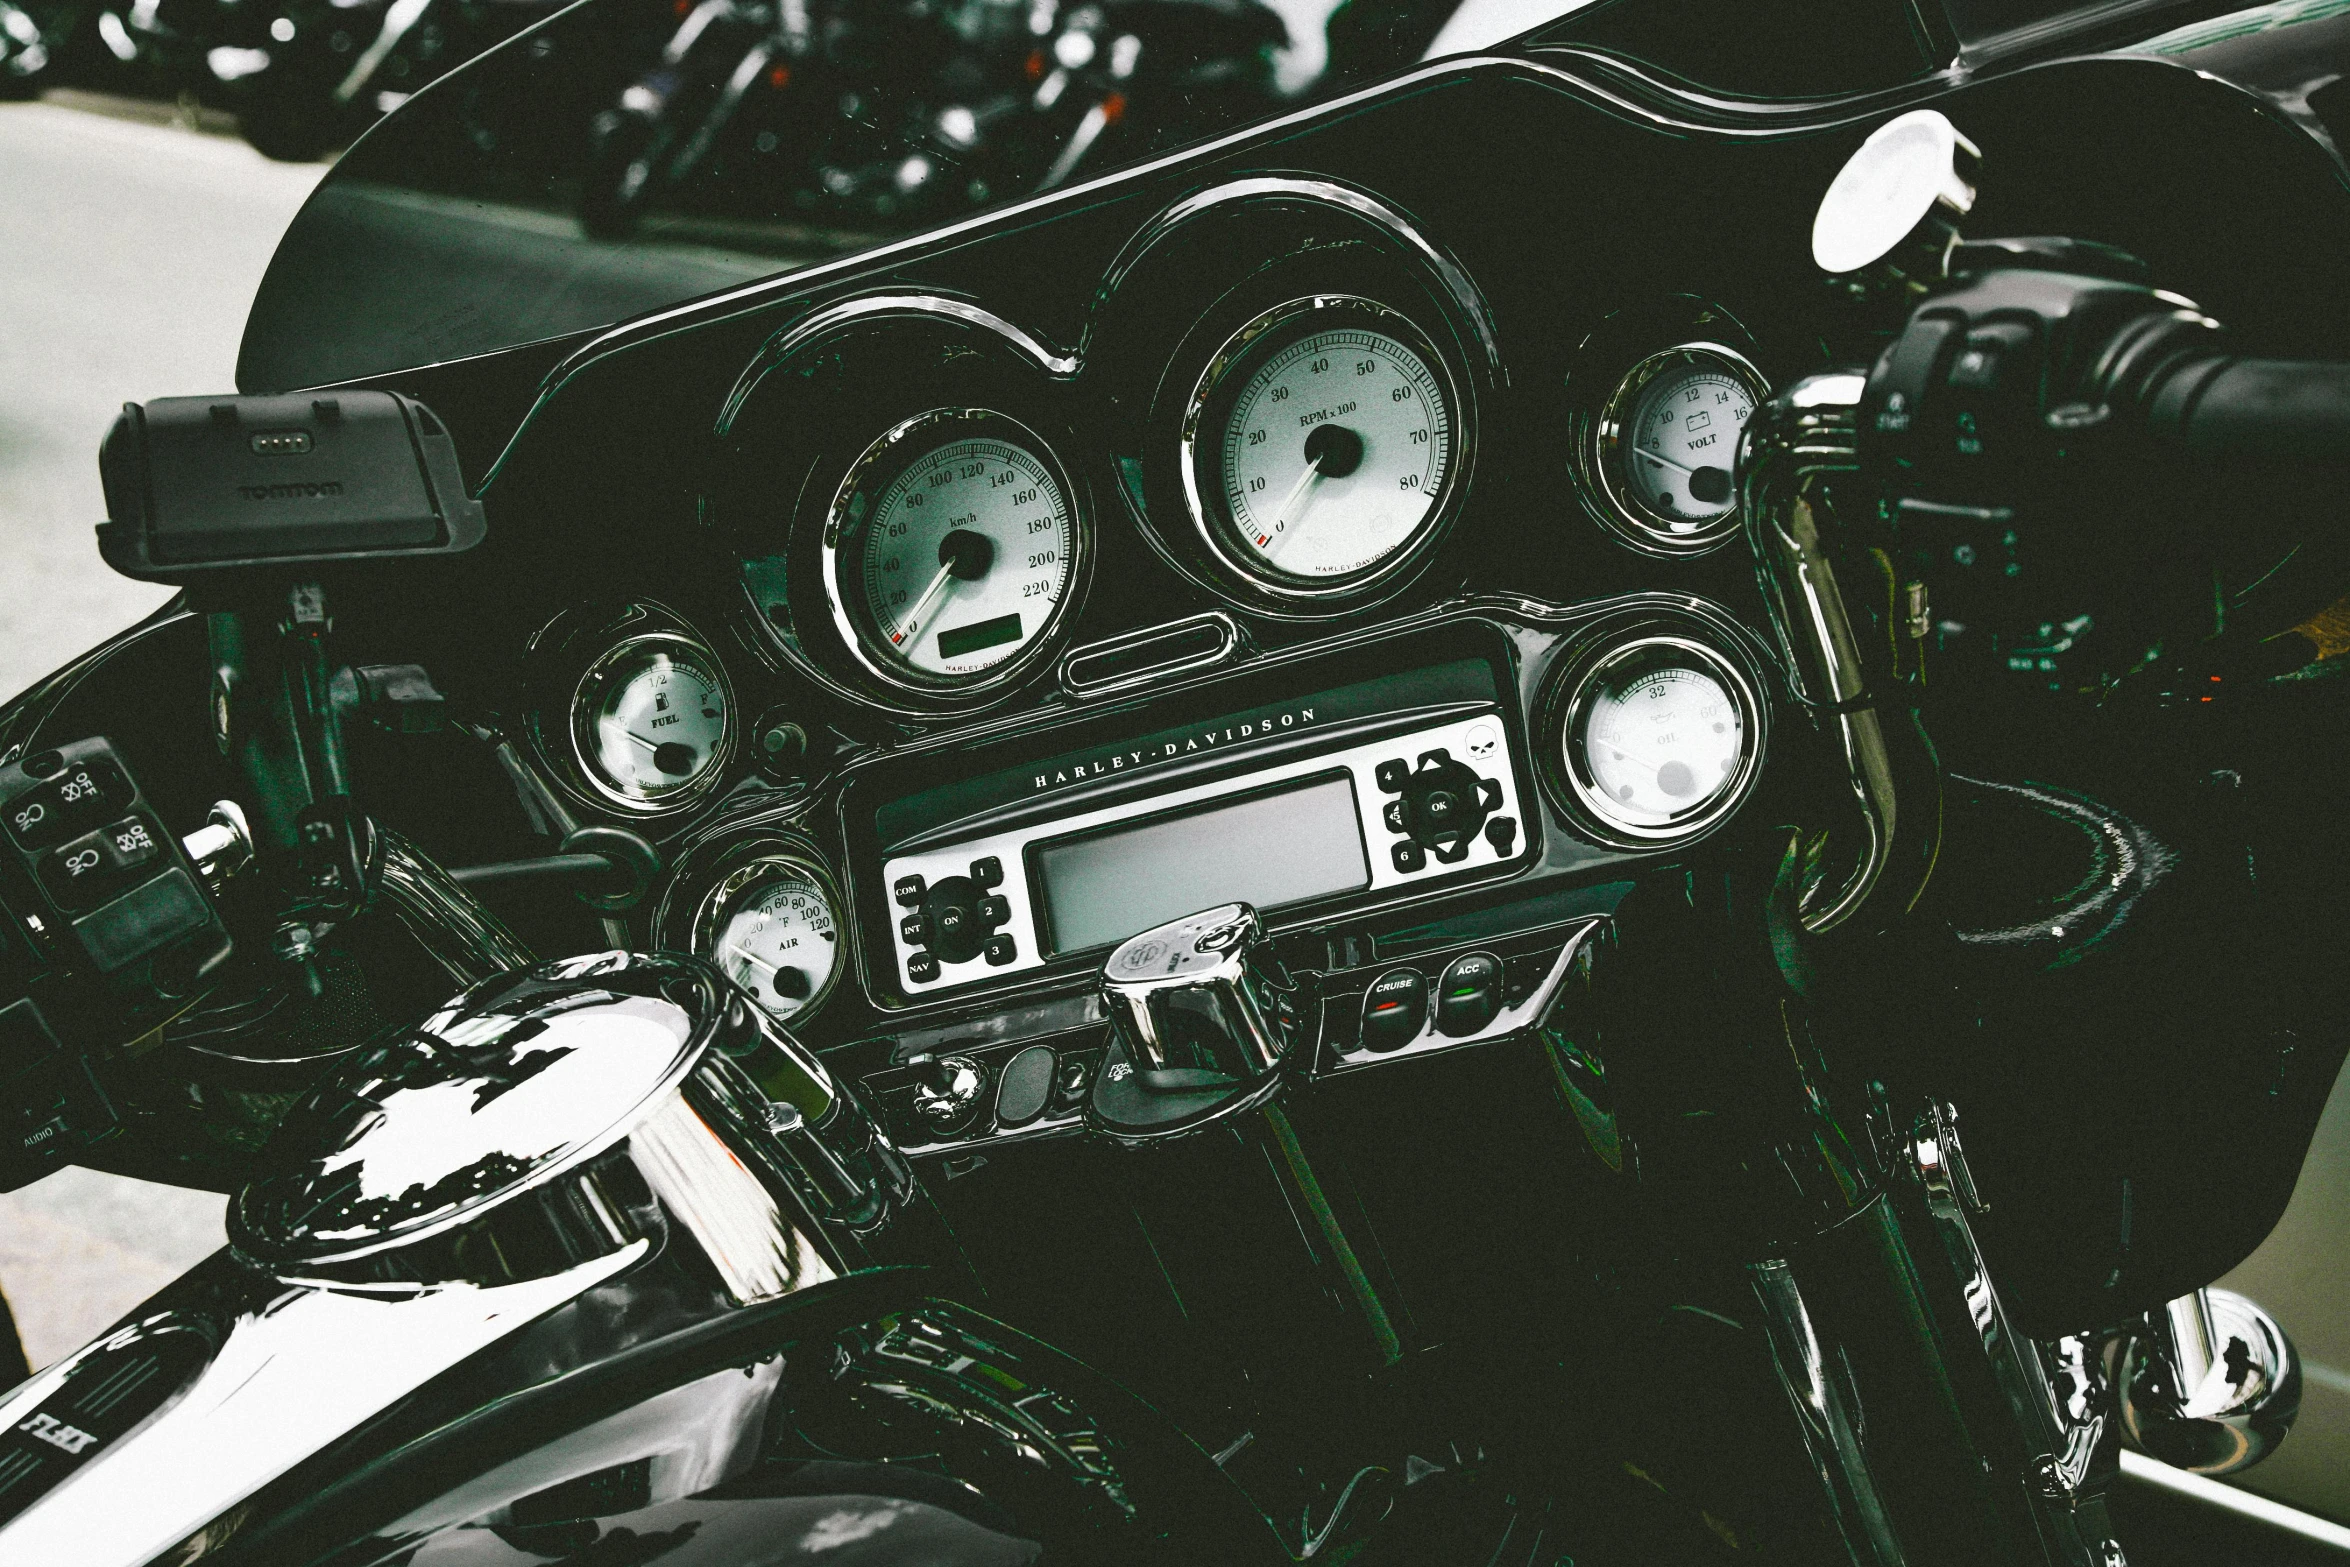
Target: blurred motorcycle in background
(884, 111)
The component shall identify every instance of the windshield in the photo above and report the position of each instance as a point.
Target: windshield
(623, 155)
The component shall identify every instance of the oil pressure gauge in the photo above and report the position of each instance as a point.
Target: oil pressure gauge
(1668, 446)
(1660, 738)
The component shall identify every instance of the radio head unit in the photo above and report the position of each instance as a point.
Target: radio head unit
(1344, 795)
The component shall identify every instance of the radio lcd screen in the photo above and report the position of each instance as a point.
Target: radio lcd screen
(1269, 849)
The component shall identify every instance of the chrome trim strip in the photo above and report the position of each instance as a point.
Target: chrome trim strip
(1827, 1410)
(856, 312)
(2244, 1504)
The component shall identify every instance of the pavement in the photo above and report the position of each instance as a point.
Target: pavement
(131, 239)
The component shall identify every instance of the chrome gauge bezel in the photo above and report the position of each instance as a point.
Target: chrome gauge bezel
(1213, 395)
(1625, 513)
(695, 923)
(585, 701)
(1570, 717)
(897, 448)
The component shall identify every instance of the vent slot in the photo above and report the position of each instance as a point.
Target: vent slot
(1116, 663)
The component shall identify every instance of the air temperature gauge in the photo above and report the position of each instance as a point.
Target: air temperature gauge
(770, 926)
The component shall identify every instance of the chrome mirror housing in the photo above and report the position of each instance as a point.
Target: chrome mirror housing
(2213, 1387)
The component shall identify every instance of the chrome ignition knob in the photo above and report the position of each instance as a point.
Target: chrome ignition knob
(947, 1089)
(1201, 1017)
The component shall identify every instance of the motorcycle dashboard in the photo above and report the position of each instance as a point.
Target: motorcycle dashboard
(1380, 476)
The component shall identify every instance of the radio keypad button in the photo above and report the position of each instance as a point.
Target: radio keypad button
(1409, 857)
(1502, 833)
(952, 908)
(988, 872)
(1392, 776)
(921, 968)
(908, 890)
(1392, 813)
(914, 930)
(1000, 950)
(995, 910)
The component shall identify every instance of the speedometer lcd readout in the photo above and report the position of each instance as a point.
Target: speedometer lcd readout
(966, 556)
(1335, 452)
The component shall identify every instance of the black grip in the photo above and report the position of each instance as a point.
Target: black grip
(2294, 413)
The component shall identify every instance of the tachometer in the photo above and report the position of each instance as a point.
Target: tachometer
(771, 927)
(1321, 444)
(953, 550)
(651, 720)
(1669, 445)
(1660, 738)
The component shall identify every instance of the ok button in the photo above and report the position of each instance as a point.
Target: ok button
(1438, 808)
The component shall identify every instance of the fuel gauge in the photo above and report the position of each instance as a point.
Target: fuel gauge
(651, 721)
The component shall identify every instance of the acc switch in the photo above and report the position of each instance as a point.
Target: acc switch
(1395, 1009)
(1469, 995)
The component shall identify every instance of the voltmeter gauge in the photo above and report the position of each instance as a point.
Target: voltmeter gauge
(1321, 445)
(953, 550)
(651, 721)
(1660, 738)
(771, 926)
(1668, 441)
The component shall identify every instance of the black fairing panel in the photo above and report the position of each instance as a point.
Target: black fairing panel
(862, 1421)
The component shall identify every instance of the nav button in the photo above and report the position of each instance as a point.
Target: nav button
(921, 968)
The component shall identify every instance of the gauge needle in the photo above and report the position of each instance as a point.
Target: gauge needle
(914, 617)
(1305, 482)
(755, 962)
(1661, 457)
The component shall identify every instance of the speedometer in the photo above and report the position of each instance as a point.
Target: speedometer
(953, 550)
(1321, 445)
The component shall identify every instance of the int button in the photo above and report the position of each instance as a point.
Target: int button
(1468, 996)
(1395, 1009)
